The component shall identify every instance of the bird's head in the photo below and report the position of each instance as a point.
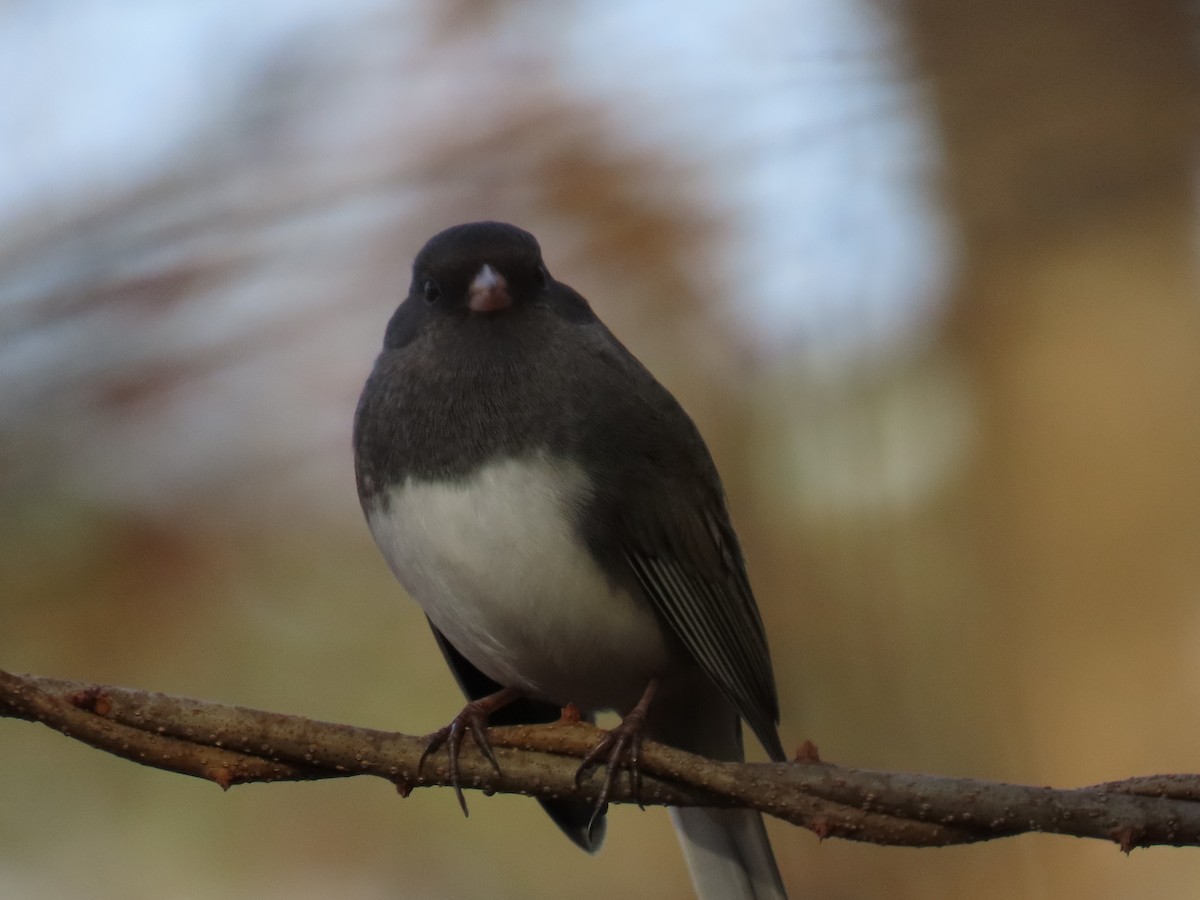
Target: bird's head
(483, 268)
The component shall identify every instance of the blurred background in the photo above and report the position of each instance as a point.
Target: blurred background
(924, 272)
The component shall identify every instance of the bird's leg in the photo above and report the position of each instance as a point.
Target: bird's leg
(620, 747)
(473, 718)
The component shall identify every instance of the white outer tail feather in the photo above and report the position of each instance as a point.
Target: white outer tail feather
(728, 854)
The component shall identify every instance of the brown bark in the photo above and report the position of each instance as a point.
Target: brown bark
(233, 745)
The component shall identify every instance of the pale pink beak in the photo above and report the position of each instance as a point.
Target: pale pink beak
(488, 292)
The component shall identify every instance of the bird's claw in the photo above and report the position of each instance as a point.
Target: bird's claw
(620, 748)
(472, 719)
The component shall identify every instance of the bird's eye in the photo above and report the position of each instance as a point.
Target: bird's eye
(431, 290)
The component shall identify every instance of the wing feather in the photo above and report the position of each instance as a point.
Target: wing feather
(704, 596)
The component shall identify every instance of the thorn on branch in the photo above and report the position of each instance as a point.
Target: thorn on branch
(1126, 839)
(91, 699)
(807, 753)
(821, 828)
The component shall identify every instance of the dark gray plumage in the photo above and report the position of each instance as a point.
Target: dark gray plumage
(558, 516)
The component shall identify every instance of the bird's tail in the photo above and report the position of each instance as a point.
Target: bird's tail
(728, 854)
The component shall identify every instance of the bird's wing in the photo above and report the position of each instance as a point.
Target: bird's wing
(691, 568)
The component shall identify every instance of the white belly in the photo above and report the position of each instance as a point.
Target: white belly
(497, 565)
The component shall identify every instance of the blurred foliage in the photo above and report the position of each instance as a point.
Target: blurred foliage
(973, 530)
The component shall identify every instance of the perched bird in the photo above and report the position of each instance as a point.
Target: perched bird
(559, 519)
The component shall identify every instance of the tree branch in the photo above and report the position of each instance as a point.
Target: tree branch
(233, 745)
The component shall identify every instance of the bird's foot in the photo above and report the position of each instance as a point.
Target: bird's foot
(620, 748)
(473, 719)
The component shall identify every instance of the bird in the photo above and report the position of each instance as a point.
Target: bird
(560, 521)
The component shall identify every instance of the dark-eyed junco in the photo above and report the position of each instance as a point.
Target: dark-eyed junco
(558, 517)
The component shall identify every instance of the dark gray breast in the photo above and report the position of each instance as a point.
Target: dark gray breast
(466, 390)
